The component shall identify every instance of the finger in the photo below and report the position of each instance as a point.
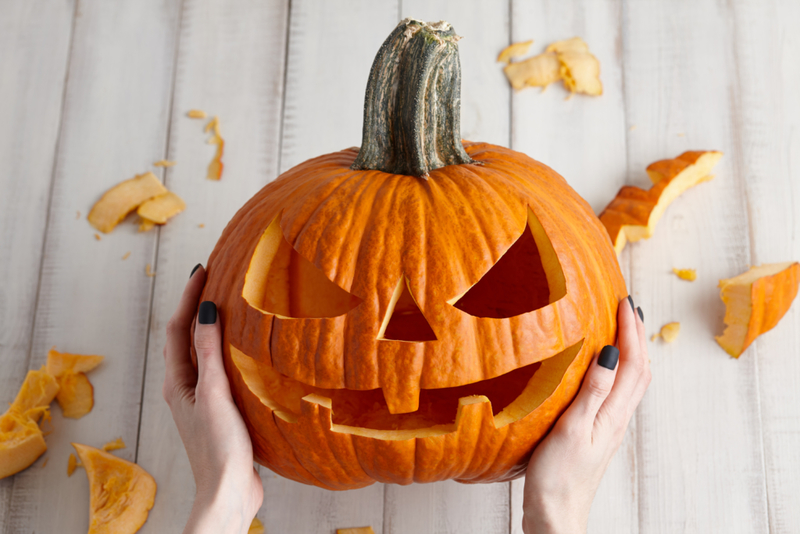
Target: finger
(208, 345)
(631, 365)
(180, 373)
(644, 379)
(597, 384)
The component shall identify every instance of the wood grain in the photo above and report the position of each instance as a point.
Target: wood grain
(34, 47)
(699, 455)
(90, 301)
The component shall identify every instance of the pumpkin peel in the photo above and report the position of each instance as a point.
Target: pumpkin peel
(121, 492)
(514, 50)
(75, 394)
(256, 527)
(161, 208)
(537, 71)
(634, 213)
(755, 301)
(579, 69)
(216, 165)
(357, 530)
(123, 198)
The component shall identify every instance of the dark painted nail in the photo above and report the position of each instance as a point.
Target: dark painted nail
(609, 357)
(195, 269)
(207, 313)
(641, 315)
(630, 301)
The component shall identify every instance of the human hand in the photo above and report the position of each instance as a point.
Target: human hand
(567, 466)
(229, 490)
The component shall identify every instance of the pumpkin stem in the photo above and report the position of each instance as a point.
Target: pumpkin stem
(412, 109)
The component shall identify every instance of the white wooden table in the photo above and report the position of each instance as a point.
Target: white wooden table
(93, 92)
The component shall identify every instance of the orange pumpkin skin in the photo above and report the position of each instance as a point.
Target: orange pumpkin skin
(365, 230)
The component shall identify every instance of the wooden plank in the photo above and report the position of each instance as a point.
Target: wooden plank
(449, 506)
(90, 300)
(584, 139)
(230, 64)
(699, 455)
(765, 50)
(34, 46)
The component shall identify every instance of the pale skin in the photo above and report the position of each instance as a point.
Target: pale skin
(560, 484)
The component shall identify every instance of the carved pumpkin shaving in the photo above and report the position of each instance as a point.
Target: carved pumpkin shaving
(21, 439)
(634, 212)
(755, 301)
(422, 309)
(76, 394)
(121, 492)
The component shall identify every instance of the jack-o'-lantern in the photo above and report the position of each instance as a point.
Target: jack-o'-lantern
(422, 309)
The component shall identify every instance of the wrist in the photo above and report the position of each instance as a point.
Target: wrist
(217, 514)
(549, 518)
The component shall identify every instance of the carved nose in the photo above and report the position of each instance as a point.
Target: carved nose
(404, 320)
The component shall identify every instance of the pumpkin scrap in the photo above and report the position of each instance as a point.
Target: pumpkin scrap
(359, 530)
(215, 167)
(579, 68)
(514, 50)
(256, 527)
(75, 394)
(122, 199)
(159, 209)
(114, 445)
(669, 332)
(163, 163)
(21, 439)
(72, 464)
(97, 237)
(634, 212)
(148, 270)
(126, 255)
(121, 492)
(538, 71)
(196, 114)
(145, 225)
(755, 301)
(690, 275)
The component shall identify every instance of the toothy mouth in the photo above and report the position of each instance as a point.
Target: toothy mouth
(511, 397)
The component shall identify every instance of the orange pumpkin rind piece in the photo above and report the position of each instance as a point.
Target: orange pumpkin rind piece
(161, 208)
(121, 492)
(145, 225)
(579, 69)
(59, 363)
(514, 50)
(755, 301)
(122, 199)
(669, 332)
(75, 394)
(114, 445)
(537, 71)
(357, 530)
(216, 165)
(634, 212)
(256, 527)
(690, 275)
(21, 439)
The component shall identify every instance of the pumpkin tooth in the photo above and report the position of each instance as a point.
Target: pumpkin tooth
(401, 398)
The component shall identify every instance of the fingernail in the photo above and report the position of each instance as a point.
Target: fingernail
(207, 313)
(195, 269)
(630, 301)
(609, 357)
(641, 315)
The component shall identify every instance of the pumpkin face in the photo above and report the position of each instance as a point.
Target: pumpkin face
(384, 327)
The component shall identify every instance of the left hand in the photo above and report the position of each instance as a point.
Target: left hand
(229, 490)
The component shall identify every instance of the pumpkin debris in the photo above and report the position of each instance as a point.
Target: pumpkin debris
(145, 225)
(634, 212)
(148, 271)
(580, 69)
(669, 332)
(75, 394)
(201, 225)
(159, 209)
(121, 492)
(538, 71)
(256, 527)
(164, 163)
(122, 199)
(78, 215)
(514, 50)
(358, 530)
(114, 445)
(196, 114)
(97, 236)
(72, 464)
(21, 438)
(755, 301)
(690, 275)
(45, 462)
(126, 255)
(216, 165)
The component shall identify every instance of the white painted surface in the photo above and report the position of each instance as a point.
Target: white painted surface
(93, 95)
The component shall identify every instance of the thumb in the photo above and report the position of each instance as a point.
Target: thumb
(208, 345)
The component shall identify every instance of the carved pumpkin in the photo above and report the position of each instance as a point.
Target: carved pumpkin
(417, 311)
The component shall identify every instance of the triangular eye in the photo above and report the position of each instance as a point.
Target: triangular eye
(404, 320)
(282, 282)
(527, 277)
